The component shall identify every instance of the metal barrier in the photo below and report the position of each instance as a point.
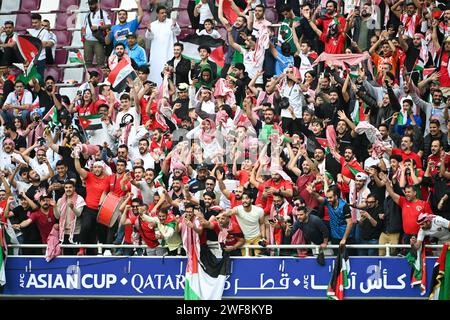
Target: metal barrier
(247, 248)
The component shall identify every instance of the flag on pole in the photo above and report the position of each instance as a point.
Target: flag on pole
(78, 58)
(354, 167)
(119, 75)
(205, 274)
(339, 277)
(52, 116)
(324, 144)
(417, 261)
(159, 182)
(91, 122)
(28, 49)
(440, 283)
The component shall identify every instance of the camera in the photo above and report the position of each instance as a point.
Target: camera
(284, 103)
(79, 93)
(49, 87)
(41, 141)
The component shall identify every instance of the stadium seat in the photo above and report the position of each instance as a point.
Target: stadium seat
(10, 6)
(271, 3)
(109, 4)
(183, 19)
(64, 38)
(29, 5)
(51, 17)
(23, 21)
(76, 74)
(76, 40)
(185, 32)
(65, 20)
(84, 7)
(127, 4)
(55, 72)
(60, 56)
(71, 92)
(69, 4)
(271, 15)
(146, 20)
(48, 6)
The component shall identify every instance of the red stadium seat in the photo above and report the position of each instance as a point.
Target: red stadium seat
(271, 15)
(55, 72)
(29, 5)
(23, 21)
(146, 20)
(68, 4)
(109, 4)
(64, 38)
(183, 19)
(65, 20)
(8, 6)
(60, 56)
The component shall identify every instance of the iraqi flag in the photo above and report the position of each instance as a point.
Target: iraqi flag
(440, 283)
(205, 274)
(91, 122)
(417, 261)
(28, 49)
(120, 74)
(193, 41)
(339, 277)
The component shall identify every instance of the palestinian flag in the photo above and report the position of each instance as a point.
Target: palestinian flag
(205, 274)
(51, 116)
(119, 75)
(420, 65)
(353, 73)
(359, 112)
(3, 255)
(193, 41)
(91, 122)
(159, 182)
(441, 276)
(339, 277)
(417, 261)
(78, 58)
(28, 49)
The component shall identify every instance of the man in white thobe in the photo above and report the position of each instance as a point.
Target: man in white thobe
(163, 34)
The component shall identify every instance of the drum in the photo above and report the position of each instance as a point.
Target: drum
(109, 211)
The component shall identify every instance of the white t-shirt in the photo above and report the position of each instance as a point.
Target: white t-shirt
(295, 96)
(42, 34)
(439, 229)
(149, 161)
(121, 114)
(41, 169)
(251, 66)
(16, 100)
(249, 221)
(205, 13)
(96, 21)
(214, 34)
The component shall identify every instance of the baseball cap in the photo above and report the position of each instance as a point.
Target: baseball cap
(202, 167)
(361, 176)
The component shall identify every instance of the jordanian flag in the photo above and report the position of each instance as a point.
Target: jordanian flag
(324, 144)
(193, 41)
(159, 182)
(78, 58)
(28, 49)
(91, 122)
(354, 167)
(339, 277)
(417, 262)
(119, 75)
(205, 274)
(440, 285)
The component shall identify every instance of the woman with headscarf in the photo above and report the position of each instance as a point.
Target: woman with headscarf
(208, 135)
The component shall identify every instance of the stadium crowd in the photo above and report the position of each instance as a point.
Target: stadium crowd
(329, 126)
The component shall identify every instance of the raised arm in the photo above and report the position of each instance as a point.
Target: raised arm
(83, 173)
(395, 197)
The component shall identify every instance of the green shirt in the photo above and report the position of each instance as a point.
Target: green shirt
(286, 32)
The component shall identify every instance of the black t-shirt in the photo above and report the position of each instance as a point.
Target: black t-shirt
(20, 142)
(46, 100)
(66, 152)
(314, 230)
(411, 56)
(42, 189)
(31, 233)
(57, 179)
(368, 231)
(378, 192)
(183, 112)
(210, 234)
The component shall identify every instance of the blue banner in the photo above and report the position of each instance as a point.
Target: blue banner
(164, 277)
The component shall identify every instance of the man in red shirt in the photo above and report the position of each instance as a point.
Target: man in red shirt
(96, 183)
(333, 37)
(275, 185)
(235, 197)
(43, 217)
(411, 208)
(406, 151)
(329, 17)
(228, 231)
(444, 77)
